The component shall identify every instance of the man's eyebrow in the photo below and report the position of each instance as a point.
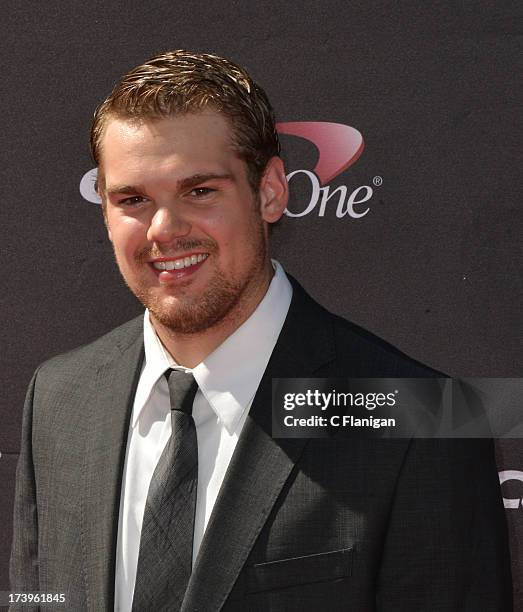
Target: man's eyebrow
(196, 179)
(123, 189)
(186, 183)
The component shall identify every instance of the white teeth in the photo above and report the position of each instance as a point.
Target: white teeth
(178, 264)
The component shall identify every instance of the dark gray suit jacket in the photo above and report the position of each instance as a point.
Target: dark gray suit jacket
(360, 525)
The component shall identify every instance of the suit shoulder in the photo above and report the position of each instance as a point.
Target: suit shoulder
(95, 353)
(355, 350)
(374, 353)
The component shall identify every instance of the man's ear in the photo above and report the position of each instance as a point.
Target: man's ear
(274, 191)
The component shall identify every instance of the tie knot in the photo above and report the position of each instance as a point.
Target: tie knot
(182, 389)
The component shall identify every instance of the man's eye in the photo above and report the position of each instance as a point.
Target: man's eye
(132, 201)
(202, 191)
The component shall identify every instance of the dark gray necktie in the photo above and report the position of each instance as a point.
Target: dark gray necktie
(165, 557)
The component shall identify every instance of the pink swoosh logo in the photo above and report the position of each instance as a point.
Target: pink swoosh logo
(339, 145)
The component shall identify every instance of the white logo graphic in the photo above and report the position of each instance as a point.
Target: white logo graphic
(87, 187)
(320, 195)
(516, 502)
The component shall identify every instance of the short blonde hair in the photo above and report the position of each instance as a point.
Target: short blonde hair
(178, 82)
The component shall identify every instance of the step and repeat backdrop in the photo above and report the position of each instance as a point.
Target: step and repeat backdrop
(400, 126)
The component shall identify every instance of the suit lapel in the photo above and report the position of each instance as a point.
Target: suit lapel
(260, 465)
(110, 408)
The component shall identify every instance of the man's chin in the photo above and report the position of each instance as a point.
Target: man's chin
(182, 316)
(182, 321)
(186, 310)
(169, 311)
(196, 315)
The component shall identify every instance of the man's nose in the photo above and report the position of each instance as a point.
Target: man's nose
(167, 224)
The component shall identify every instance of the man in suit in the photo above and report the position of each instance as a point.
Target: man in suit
(191, 179)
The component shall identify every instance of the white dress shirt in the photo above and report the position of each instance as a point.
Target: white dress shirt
(228, 380)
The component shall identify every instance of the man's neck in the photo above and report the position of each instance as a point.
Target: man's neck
(191, 349)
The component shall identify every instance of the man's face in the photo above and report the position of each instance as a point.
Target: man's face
(188, 232)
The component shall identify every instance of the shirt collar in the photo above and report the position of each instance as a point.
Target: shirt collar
(231, 374)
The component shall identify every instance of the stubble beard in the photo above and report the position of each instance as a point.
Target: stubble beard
(224, 300)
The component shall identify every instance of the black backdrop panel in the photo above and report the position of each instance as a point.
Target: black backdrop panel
(434, 266)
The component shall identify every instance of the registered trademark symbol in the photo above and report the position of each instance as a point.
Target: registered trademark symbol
(377, 181)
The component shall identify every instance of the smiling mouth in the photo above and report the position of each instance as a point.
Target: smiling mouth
(181, 263)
